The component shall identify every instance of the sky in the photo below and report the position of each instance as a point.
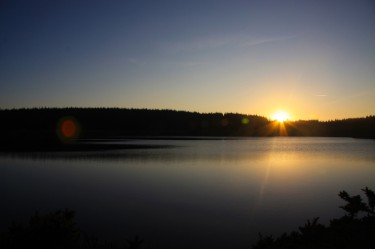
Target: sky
(312, 59)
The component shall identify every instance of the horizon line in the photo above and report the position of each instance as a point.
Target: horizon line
(179, 110)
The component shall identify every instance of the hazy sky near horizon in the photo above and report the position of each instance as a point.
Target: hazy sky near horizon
(313, 59)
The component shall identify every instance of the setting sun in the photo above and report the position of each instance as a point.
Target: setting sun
(280, 116)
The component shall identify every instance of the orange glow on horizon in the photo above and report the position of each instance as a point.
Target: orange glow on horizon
(280, 116)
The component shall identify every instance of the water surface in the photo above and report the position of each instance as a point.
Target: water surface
(190, 193)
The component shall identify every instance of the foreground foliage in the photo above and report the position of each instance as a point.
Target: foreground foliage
(58, 230)
(356, 229)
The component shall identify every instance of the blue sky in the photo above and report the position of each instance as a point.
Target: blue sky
(312, 59)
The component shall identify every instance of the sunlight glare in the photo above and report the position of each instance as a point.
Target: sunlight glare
(280, 116)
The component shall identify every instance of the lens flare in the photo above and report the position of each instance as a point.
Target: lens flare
(68, 129)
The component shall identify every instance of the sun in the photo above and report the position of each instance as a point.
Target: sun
(280, 116)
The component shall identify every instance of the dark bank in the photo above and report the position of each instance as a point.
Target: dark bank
(356, 229)
(60, 128)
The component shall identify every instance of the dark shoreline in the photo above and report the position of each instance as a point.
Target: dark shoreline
(78, 147)
(53, 125)
(107, 144)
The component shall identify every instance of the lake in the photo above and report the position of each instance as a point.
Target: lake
(214, 193)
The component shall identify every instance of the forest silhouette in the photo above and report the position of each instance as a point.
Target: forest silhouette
(53, 127)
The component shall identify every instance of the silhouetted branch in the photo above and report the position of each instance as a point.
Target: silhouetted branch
(345, 232)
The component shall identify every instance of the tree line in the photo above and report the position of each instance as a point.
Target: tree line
(43, 123)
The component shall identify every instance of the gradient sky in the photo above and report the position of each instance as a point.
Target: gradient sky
(314, 59)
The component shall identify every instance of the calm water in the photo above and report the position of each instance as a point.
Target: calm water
(194, 194)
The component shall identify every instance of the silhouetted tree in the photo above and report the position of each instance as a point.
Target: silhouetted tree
(345, 232)
(56, 230)
(52, 230)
